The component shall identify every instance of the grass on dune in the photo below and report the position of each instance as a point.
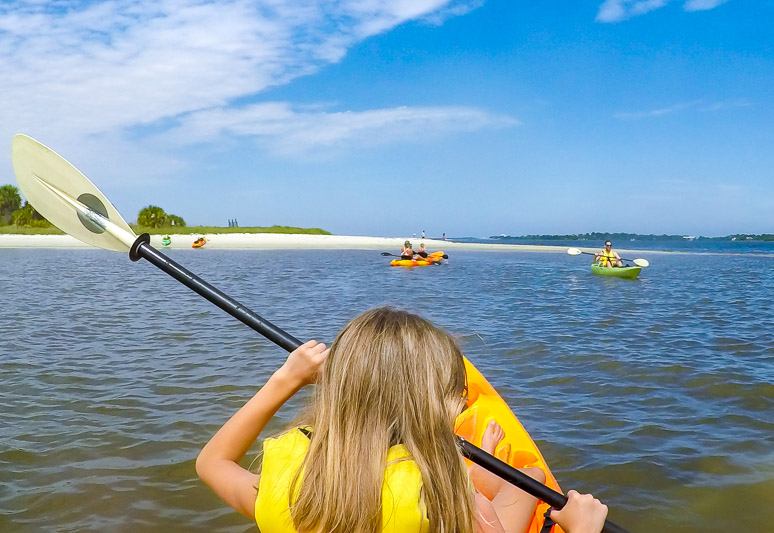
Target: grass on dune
(23, 230)
(192, 230)
(172, 230)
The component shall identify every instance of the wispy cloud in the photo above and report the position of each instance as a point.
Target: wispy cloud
(73, 70)
(702, 5)
(697, 105)
(456, 9)
(726, 104)
(288, 130)
(618, 10)
(633, 115)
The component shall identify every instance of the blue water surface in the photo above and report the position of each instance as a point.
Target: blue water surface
(656, 394)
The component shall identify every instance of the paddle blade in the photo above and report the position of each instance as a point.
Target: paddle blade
(574, 251)
(66, 198)
(641, 262)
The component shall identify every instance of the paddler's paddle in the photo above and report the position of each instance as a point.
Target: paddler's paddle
(388, 254)
(639, 262)
(65, 197)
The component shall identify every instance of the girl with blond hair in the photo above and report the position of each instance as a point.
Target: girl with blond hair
(375, 450)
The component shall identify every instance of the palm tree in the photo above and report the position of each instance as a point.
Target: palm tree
(10, 201)
(152, 217)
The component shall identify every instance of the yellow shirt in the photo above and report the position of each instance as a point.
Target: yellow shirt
(402, 507)
(606, 256)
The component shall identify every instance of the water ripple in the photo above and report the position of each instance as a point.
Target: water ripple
(654, 394)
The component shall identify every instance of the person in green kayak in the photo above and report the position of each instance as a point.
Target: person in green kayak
(607, 257)
(375, 450)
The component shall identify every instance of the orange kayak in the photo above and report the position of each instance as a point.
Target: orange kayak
(198, 243)
(431, 259)
(517, 447)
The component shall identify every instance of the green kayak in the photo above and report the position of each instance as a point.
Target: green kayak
(628, 272)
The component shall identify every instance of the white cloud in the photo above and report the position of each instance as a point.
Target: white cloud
(633, 115)
(286, 130)
(79, 70)
(618, 10)
(702, 5)
(697, 105)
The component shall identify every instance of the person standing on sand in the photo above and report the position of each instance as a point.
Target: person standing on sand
(607, 257)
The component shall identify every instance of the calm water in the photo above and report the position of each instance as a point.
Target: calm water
(656, 395)
(685, 245)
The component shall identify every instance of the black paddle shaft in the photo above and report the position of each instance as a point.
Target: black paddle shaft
(522, 481)
(141, 249)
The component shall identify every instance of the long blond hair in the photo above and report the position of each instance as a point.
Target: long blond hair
(391, 378)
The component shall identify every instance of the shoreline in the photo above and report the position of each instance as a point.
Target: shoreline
(286, 241)
(272, 241)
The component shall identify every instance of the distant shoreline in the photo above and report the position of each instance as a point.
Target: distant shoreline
(296, 241)
(279, 241)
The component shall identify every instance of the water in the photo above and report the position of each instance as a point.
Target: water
(683, 245)
(656, 395)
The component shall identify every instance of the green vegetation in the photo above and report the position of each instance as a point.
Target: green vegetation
(21, 230)
(170, 230)
(155, 217)
(10, 201)
(18, 219)
(28, 217)
(747, 237)
(12, 212)
(192, 230)
(596, 236)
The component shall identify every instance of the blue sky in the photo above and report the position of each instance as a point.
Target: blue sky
(377, 117)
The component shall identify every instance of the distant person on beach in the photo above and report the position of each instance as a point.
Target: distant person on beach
(422, 252)
(443, 237)
(423, 234)
(607, 257)
(407, 252)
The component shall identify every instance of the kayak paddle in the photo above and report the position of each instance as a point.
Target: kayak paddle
(388, 254)
(66, 198)
(639, 262)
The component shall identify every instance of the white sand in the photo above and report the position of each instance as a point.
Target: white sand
(268, 241)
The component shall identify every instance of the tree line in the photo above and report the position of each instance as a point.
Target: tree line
(21, 213)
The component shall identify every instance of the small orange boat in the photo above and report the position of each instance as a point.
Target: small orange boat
(431, 259)
(198, 243)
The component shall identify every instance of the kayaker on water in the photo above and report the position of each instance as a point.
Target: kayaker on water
(422, 253)
(607, 257)
(407, 252)
(375, 449)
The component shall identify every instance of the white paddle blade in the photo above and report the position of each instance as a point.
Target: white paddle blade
(641, 262)
(66, 198)
(574, 251)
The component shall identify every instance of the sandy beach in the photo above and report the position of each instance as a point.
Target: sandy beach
(268, 241)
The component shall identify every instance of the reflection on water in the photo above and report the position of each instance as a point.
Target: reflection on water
(654, 394)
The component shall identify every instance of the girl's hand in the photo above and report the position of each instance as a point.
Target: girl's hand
(582, 514)
(304, 363)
